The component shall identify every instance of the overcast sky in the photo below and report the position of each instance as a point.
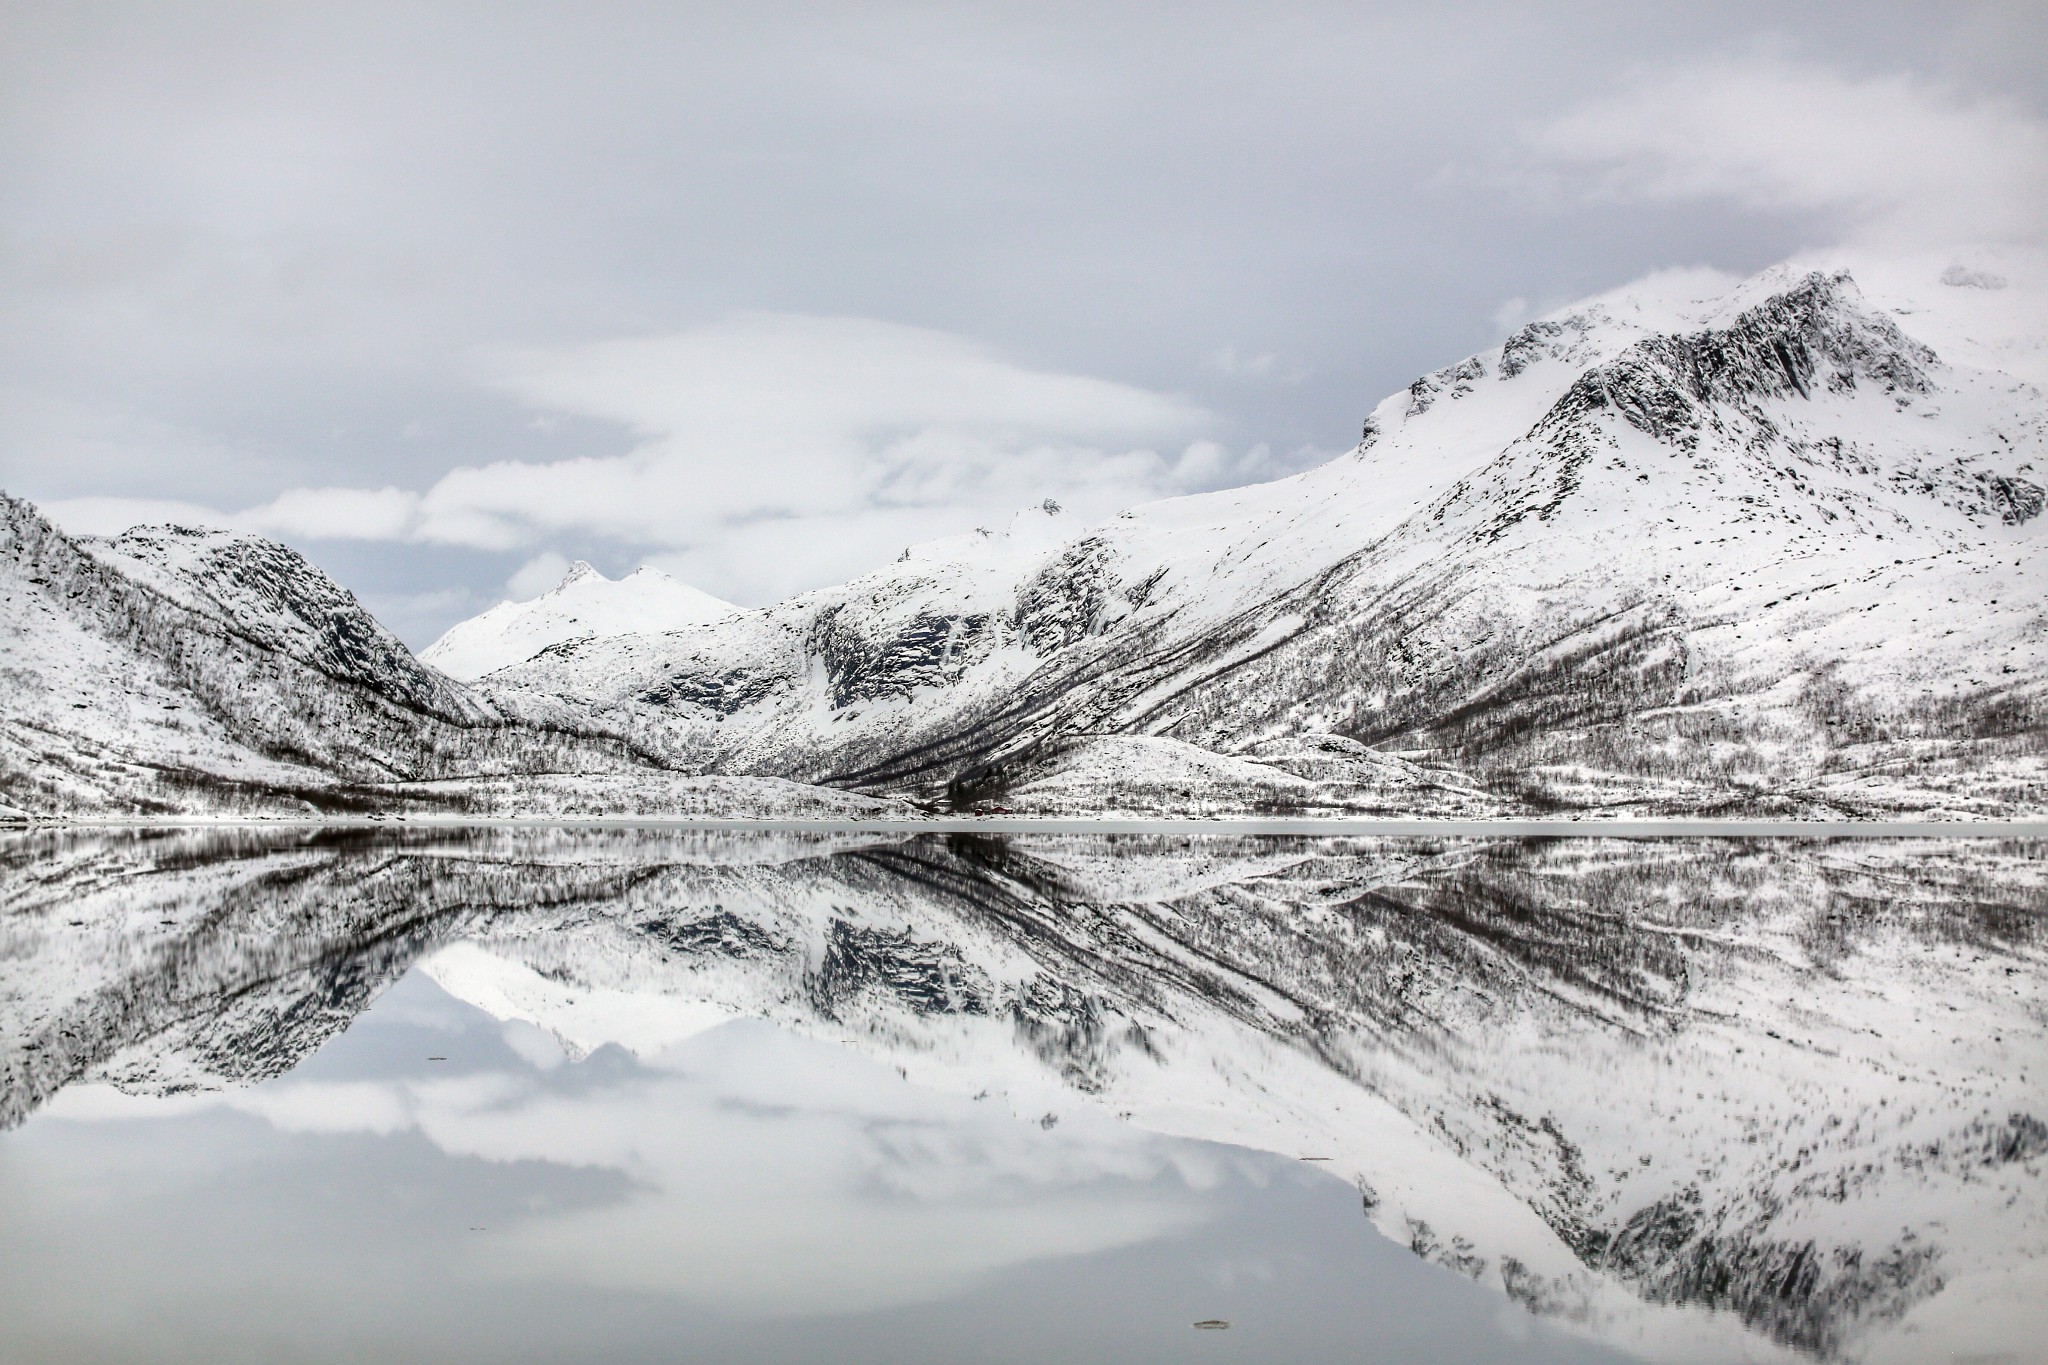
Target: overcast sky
(442, 294)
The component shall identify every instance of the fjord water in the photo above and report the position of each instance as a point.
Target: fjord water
(561, 1094)
(745, 1196)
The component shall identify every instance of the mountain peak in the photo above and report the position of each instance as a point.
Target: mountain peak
(583, 605)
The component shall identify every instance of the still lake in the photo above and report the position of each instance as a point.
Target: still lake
(563, 1094)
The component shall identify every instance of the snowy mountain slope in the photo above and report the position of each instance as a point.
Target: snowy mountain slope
(171, 670)
(1715, 558)
(1700, 545)
(1982, 305)
(584, 605)
(1025, 593)
(130, 680)
(1674, 549)
(1620, 1083)
(871, 655)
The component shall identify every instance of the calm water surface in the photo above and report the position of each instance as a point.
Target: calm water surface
(598, 1095)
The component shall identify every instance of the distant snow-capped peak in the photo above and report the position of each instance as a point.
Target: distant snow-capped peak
(584, 605)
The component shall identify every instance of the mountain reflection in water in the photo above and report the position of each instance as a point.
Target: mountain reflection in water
(1019, 1097)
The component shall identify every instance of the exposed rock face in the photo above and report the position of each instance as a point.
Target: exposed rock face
(1617, 1081)
(931, 650)
(1071, 598)
(279, 601)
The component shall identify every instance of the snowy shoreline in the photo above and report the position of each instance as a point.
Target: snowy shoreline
(1422, 827)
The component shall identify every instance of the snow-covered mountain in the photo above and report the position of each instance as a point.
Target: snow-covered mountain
(1696, 546)
(1700, 1097)
(1690, 546)
(584, 605)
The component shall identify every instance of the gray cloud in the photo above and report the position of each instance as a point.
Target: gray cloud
(1895, 159)
(315, 266)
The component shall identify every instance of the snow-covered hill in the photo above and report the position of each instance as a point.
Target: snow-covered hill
(1700, 545)
(175, 671)
(1699, 1097)
(584, 605)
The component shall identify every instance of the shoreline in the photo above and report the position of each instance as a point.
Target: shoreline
(1222, 826)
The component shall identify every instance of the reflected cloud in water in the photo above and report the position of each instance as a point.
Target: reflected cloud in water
(1690, 1098)
(754, 1170)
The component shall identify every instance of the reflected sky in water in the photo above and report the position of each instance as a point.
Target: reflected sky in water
(745, 1194)
(582, 1094)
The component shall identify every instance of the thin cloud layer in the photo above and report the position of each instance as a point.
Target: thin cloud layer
(1893, 160)
(766, 416)
(771, 452)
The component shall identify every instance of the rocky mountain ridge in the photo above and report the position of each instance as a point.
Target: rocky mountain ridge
(1684, 549)
(176, 671)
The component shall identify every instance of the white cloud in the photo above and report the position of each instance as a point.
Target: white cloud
(536, 576)
(1510, 316)
(803, 376)
(111, 516)
(773, 417)
(310, 513)
(774, 452)
(336, 514)
(1897, 159)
